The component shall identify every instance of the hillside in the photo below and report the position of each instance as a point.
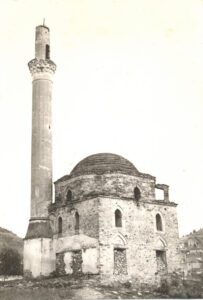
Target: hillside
(10, 240)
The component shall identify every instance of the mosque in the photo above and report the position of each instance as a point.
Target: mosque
(105, 218)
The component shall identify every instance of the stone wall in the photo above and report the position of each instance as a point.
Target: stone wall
(88, 218)
(82, 261)
(138, 235)
(117, 185)
(96, 198)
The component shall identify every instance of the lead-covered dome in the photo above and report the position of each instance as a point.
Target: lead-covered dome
(104, 163)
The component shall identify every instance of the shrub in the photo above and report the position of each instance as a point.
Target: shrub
(10, 262)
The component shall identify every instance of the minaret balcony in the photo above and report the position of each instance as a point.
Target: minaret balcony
(41, 66)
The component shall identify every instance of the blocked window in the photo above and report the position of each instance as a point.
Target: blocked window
(120, 262)
(47, 52)
(69, 196)
(137, 194)
(60, 265)
(60, 225)
(161, 262)
(77, 223)
(77, 262)
(159, 225)
(118, 218)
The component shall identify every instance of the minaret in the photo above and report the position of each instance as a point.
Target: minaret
(38, 256)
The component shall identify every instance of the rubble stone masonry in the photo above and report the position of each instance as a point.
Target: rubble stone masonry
(136, 242)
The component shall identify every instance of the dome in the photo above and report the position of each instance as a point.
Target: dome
(102, 163)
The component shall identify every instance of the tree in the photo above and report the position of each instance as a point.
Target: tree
(10, 262)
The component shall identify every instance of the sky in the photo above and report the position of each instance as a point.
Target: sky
(129, 81)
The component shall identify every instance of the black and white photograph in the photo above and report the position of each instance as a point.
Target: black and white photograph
(101, 152)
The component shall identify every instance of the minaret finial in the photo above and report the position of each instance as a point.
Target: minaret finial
(43, 21)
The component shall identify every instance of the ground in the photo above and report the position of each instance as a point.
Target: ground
(88, 288)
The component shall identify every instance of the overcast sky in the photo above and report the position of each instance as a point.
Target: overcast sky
(129, 81)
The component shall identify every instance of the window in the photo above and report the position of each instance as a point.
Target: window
(77, 223)
(47, 56)
(159, 226)
(60, 225)
(69, 196)
(137, 194)
(118, 218)
(159, 194)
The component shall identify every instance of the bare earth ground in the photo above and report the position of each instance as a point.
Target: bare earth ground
(85, 288)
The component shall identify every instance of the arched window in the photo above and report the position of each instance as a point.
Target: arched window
(137, 194)
(159, 226)
(60, 225)
(118, 218)
(69, 196)
(47, 52)
(77, 222)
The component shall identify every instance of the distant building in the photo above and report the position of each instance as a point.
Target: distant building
(191, 247)
(105, 219)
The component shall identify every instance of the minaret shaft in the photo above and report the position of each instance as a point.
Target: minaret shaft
(42, 70)
(41, 161)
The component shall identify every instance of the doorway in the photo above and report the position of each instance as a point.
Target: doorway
(161, 262)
